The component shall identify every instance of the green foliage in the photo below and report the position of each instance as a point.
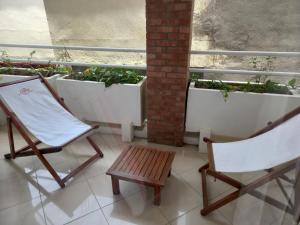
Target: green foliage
(4, 56)
(262, 63)
(31, 69)
(225, 88)
(45, 71)
(195, 76)
(110, 75)
(260, 84)
(31, 55)
(63, 55)
(266, 87)
(292, 83)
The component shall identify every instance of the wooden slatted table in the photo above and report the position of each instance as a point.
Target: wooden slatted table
(143, 165)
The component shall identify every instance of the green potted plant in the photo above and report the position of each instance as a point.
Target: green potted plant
(236, 109)
(107, 95)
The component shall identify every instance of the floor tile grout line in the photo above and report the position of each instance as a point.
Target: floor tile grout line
(44, 212)
(186, 182)
(199, 191)
(163, 215)
(227, 219)
(268, 205)
(91, 189)
(20, 203)
(190, 169)
(169, 221)
(189, 185)
(42, 203)
(25, 201)
(72, 220)
(82, 216)
(172, 220)
(122, 198)
(67, 185)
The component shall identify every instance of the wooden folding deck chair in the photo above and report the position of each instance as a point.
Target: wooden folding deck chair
(33, 107)
(274, 149)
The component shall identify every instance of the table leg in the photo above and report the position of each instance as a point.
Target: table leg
(157, 190)
(115, 185)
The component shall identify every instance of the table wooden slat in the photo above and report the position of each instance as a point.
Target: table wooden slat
(143, 164)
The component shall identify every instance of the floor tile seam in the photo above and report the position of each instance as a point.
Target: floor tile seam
(184, 171)
(41, 199)
(91, 189)
(93, 176)
(122, 198)
(20, 203)
(44, 212)
(189, 185)
(176, 218)
(273, 220)
(74, 219)
(82, 216)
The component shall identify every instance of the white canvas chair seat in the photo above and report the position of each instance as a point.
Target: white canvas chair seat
(274, 149)
(41, 114)
(32, 106)
(270, 149)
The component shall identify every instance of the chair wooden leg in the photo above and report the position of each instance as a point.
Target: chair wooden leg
(95, 146)
(48, 166)
(14, 153)
(204, 188)
(243, 189)
(10, 139)
(208, 208)
(80, 168)
(218, 204)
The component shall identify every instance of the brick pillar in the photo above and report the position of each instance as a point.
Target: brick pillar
(168, 25)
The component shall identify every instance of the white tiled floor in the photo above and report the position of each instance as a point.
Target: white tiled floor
(29, 195)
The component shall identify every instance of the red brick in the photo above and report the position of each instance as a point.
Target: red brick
(155, 21)
(156, 36)
(180, 6)
(155, 62)
(164, 29)
(184, 29)
(156, 74)
(154, 49)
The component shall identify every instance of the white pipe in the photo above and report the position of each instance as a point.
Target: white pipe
(140, 50)
(78, 48)
(245, 72)
(141, 67)
(246, 53)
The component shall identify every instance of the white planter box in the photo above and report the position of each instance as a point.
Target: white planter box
(9, 78)
(92, 101)
(240, 116)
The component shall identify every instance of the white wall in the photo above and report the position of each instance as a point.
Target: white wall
(24, 22)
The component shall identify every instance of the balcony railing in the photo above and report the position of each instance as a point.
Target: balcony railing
(139, 50)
